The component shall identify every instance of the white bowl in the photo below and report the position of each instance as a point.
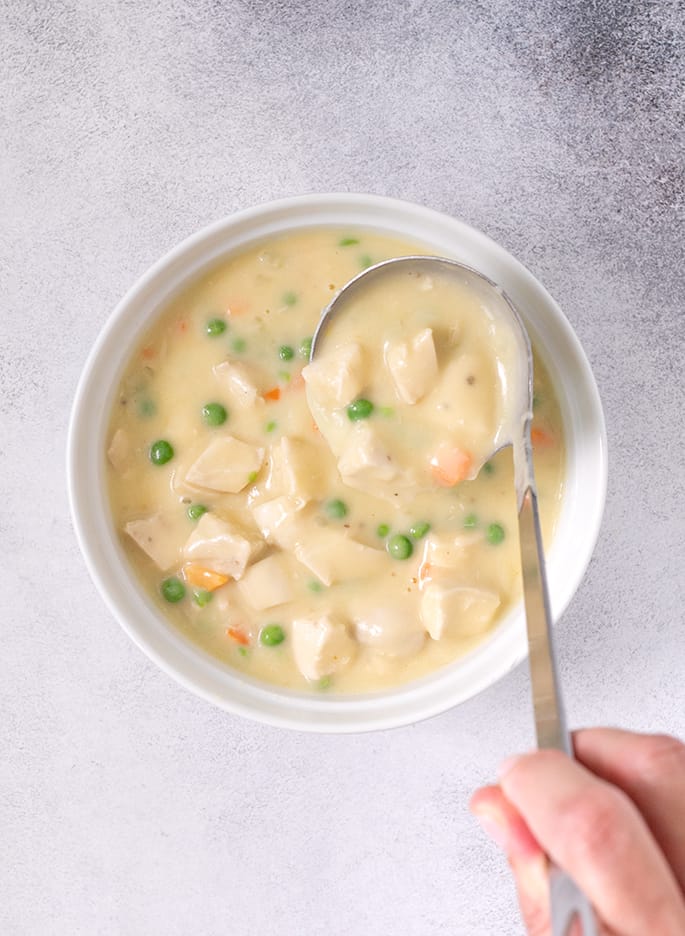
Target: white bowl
(579, 522)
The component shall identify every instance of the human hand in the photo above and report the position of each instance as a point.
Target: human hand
(614, 820)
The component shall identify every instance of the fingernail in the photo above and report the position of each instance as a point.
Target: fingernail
(507, 764)
(496, 829)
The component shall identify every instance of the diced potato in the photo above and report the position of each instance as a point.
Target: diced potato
(296, 469)
(365, 458)
(221, 546)
(413, 365)
(333, 557)
(227, 465)
(337, 377)
(268, 583)
(160, 536)
(447, 550)
(391, 629)
(119, 450)
(239, 382)
(457, 610)
(321, 645)
(276, 519)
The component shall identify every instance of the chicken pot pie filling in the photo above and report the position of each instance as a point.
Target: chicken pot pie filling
(333, 525)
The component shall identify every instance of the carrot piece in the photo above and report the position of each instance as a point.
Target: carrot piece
(148, 353)
(450, 465)
(239, 636)
(541, 438)
(425, 572)
(202, 577)
(273, 394)
(236, 307)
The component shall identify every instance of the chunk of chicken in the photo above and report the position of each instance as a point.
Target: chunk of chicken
(119, 450)
(296, 469)
(160, 536)
(413, 365)
(227, 465)
(447, 550)
(464, 399)
(221, 546)
(321, 645)
(391, 629)
(457, 610)
(333, 557)
(336, 377)
(239, 382)
(268, 583)
(277, 520)
(366, 459)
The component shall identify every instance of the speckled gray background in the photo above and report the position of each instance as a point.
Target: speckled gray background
(127, 806)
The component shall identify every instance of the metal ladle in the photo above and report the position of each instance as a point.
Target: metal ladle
(567, 901)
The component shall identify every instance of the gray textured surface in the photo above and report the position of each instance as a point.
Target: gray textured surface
(127, 806)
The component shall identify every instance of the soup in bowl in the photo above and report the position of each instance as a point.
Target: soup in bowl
(263, 543)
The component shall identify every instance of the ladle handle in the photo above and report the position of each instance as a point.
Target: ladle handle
(567, 901)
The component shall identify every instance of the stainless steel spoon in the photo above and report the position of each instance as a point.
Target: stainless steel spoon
(567, 901)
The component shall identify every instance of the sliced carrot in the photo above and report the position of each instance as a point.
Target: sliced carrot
(239, 636)
(450, 465)
(424, 572)
(273, 394)
(541, 438)
(148, 353)
(236, 307)
(203, 577)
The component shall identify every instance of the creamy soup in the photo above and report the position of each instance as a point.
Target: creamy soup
(328, 526)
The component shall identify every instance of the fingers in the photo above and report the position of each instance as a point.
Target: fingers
(528, 861)
(594, 832)
(651, 770)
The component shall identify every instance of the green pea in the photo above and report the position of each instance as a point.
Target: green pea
(495, 533)
(290, 298)
(173, 589)
(271, 635)
(238, 345)
(215, 326)
(161, 452)
(360, 409)
(348, 241)
(489, 468)
(202, 597)
(286, 352)
(399, 546)
(335, 509)
(195, 511)
(314, 586)
(419, 530)
(214, 414)
(270, 426)
(324, 683)
(382, 530)
(252, 477)
(305, 348)
(365, 261)
(470, 521)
